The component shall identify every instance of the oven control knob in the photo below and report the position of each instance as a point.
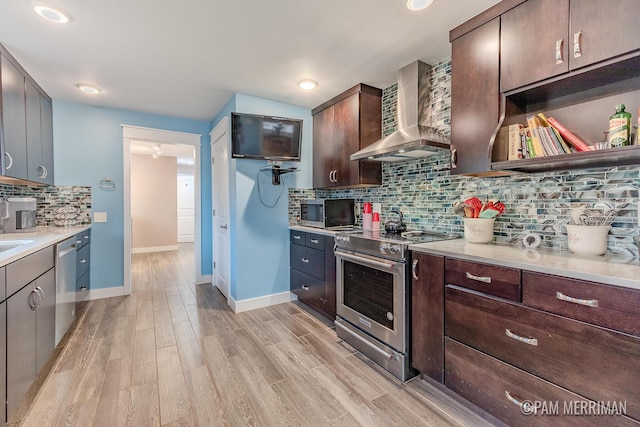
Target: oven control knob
(384, 248)
(394, 250)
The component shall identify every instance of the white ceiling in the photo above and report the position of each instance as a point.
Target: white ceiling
(185, 154)
(186, 58)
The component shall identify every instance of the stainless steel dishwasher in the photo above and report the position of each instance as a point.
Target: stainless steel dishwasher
(65, 286)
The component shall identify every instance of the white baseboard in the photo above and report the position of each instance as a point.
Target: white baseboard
(260, 302)
(201, 280)
(115, 291)
(154, 249)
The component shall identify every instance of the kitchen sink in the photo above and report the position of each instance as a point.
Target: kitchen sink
(5, 245)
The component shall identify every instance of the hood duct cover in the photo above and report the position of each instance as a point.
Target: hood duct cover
(416, 137)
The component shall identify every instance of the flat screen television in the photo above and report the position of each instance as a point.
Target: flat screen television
(266, 138)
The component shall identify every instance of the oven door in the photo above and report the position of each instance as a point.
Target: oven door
(371, 296)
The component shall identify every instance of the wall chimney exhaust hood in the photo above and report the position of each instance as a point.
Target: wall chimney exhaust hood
(415, 137)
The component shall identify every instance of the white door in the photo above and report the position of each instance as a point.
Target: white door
(220, 201)
(186, 209)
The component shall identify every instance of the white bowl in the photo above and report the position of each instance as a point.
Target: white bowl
(587, 239)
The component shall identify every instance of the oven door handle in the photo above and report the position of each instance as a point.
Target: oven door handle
(389, 266)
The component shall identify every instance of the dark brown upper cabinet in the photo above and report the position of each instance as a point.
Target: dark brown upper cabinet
(341, 126)
(541, 39)
(475, 98)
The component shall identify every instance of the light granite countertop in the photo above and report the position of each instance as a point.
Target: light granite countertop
(315, 230)
(33, 241)
(602, 269)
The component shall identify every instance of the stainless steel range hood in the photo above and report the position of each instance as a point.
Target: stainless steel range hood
(416, 137)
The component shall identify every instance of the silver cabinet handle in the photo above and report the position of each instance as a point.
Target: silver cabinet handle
(305, 260)
(297, 237)
(454, 158)
(33, 303)
(83, 260)
(224, 226)
(587, 302)
(530, 341)
(414, 266)
(485, 279)
(335, 175)
(330, 176)
(316, 241)
(42, 171)
(305, 287)
(78, 241)
(512, 399)
(10, 161)
(83, 288)
(86, 237)
(559, 59)
(577, 45)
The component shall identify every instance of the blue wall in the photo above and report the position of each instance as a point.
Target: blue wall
(259, 234)
(88, 148)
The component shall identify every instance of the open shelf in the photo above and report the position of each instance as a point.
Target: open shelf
(629, 155)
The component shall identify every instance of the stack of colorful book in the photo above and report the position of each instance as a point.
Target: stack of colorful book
(542, 137)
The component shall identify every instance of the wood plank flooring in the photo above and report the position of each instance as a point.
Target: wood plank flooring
(172, 353)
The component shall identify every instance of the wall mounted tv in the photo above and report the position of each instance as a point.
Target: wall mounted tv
(266, 138)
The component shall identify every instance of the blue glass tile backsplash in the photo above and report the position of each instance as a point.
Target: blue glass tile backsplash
(425, 191)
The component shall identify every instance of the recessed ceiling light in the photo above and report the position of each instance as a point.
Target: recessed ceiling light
(89, 88)
(51, 13)
(307, 84)
(415, 5)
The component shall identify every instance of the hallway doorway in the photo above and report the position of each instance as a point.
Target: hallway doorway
(158, 142)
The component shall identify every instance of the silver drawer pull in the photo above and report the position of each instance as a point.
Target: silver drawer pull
(316, 241)
(305, 260)
(296, 237)
(530, 341)
(515, 401)
(587, 302)
(414, 269)
(484, 279)
(83, 260)
(305, 287)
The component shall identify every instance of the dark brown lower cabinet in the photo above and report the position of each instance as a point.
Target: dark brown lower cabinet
(502, 390)
(503, 336)
(427, 315)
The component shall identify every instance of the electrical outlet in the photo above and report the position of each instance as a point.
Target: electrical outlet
(99, 217)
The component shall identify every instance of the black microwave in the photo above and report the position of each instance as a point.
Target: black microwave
(328, 213)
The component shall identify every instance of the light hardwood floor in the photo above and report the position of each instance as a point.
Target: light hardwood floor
(173, 353)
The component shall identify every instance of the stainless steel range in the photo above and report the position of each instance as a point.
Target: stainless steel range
(373, 295)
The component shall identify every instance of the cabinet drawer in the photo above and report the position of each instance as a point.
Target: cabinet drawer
(84, 282)
(498, 387)
(315, 241)
(83, 260)
(604, 305)
(597, 363)
(502, 282)
(308, 260)
(310, 291)
(86, 237)
(27, 269)
(297, 237)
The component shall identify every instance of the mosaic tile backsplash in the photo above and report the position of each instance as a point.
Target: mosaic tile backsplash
(50, 199)
(425, 191)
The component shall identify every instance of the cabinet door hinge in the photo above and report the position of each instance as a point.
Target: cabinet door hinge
(212, 160)
(214, 212)
(214, 265)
